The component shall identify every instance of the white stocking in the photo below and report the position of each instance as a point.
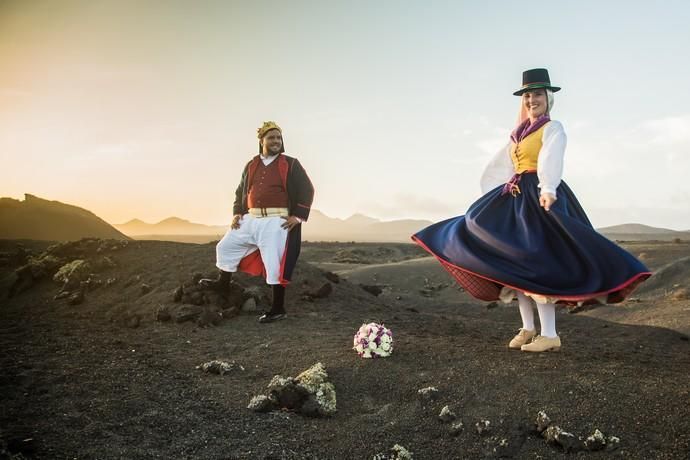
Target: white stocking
(526, 311)
(547, 318)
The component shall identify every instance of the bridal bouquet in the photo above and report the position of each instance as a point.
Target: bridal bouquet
(373, 340)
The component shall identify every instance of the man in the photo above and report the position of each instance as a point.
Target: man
(273, 199)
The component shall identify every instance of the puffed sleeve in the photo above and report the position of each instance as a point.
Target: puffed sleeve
(550, 163)
(498, 171)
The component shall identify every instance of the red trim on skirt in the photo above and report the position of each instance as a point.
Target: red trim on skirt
(484, 288)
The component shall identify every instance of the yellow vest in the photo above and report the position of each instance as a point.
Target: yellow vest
(526, 152)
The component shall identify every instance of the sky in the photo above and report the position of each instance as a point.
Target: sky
(149, 109)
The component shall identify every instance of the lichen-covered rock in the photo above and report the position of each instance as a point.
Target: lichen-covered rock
(288, 394)
(315, 381)
(596, 441)
(428, 393)
(456, 428)
(612, 443)
(261, 403)
(542, 422)
(446, 415)
(313, 377)
(220, 367)
(397, 452)
(326, 399)
(76, 270)
(483, 427)
(554, 435)
(310, 393)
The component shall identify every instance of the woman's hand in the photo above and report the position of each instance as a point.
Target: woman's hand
(546, 200)
(236, 221)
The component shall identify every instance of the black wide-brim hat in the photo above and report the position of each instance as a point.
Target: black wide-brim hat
(535, 78)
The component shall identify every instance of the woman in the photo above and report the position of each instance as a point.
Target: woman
(528, 236)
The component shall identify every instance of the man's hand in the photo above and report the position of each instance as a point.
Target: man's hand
(546, 200)
(290, 222)
(236, 221)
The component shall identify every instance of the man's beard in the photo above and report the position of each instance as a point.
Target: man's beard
(273, 150)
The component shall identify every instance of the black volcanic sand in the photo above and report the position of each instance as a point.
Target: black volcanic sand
(76, 382)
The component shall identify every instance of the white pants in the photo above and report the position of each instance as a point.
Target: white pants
(264, 234)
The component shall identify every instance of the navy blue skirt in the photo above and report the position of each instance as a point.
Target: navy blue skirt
(509, 240)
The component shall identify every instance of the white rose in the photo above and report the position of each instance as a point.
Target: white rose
(372, 345)
(386, 339)
(384, 354)
(359, 348)
(385, 346)
(373, 329)
(366, 354)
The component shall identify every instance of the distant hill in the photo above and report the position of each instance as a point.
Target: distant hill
(39, 219)
(640, 232)
(636, 228)
(169, 226)
(357, 227)
(319, 228)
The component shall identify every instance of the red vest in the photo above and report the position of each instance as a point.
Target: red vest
(266, 189)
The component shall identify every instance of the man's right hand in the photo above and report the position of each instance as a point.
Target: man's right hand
(236, 221)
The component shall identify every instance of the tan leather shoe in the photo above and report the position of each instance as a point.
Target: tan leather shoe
(541, 343)
(523, 337)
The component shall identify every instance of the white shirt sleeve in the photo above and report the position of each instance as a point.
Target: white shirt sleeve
(499, 170)
(550, 163)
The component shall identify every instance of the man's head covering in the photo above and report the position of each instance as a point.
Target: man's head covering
(265, 128)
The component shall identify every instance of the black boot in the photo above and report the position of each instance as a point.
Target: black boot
(220, 284)
(278, 308)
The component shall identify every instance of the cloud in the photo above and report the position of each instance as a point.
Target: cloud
(666, 132)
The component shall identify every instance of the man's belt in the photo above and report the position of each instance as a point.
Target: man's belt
(269, 212)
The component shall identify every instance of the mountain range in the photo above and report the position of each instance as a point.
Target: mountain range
(41, 219)
(320, 227)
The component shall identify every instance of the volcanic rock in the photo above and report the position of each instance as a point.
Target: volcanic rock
(310, 393)
(428, 393)
(220, 367)
(554, 435)
(483, 427)
(595, 441)
(397, 452)
(446, 415)
(186, 313)
(249, 305)
(456, 428)
(542, 422)
(262, 403)
(372, 289)
(332, 277)
(76, 298)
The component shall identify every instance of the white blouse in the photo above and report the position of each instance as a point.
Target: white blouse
(549, 164)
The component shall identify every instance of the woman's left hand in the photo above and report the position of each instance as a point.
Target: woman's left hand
(546, 200)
